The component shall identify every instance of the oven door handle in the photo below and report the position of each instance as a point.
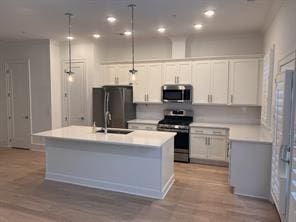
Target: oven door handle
(173, 130)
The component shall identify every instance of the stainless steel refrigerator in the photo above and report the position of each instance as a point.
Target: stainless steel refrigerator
(120, 105)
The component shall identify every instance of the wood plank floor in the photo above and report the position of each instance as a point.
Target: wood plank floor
(200, 193)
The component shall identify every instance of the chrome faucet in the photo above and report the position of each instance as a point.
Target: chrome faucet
(107, 112)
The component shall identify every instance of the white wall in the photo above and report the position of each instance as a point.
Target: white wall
(37, 51)
(196, 46)
(120, 49)
(282, 32)
(224, 44)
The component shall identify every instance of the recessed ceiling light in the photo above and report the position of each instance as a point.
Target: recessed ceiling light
(127, 33)
(70, 37)
(209, 13)
(161, 29)
(96, 36)
(198, 26)
(111, 19)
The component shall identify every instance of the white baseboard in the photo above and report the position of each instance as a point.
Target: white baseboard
(105, 185)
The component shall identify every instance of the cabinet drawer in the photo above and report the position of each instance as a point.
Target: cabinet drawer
(209, 131)
(142, 126)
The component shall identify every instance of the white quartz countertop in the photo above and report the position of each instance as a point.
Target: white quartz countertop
(143, 121)
(241, 132)
(154, 139)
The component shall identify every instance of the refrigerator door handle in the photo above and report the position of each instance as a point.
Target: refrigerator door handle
(284, 153)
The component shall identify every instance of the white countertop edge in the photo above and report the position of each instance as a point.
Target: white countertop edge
(101, 142)
(82, 134)
(143, 121)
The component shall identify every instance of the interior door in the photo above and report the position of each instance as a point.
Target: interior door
(154, 82)
(220, 80)
(75, 96)
(201, 82)
(20, 98)
(244, 76)
(280, 148)
(4, 140)
(140, 85)
(198, 146)
(217, 148)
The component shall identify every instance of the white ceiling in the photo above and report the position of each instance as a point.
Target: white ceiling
(46, 19)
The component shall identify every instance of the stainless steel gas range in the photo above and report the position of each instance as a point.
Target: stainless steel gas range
(178, 121)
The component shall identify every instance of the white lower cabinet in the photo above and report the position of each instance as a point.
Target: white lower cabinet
(209, 144)
(141, 126)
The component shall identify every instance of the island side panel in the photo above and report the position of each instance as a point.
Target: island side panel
(129, 169)
(250, 168)
(168, 176)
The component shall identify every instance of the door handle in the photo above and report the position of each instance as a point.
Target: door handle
(26, 117)
(231, 98)
(211, 98)
(284, 153)
(82, 117)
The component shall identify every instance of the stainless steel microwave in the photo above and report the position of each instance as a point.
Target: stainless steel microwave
(177, 93)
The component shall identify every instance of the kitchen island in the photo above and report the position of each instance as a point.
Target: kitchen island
(139, 162)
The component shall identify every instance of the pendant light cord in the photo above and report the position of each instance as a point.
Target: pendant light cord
(69, 43)
(133, 71)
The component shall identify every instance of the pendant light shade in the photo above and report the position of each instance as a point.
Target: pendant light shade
(69, 72)
(133, 71)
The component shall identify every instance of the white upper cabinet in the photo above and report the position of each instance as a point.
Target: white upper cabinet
(154, 82)
(220, 82)
(244, 82)
(140, 84)
(116, 74)
(147, 87)
(210, 82)
(177, 73)
(201, 76)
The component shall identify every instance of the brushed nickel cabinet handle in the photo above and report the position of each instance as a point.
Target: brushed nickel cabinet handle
(231, 98)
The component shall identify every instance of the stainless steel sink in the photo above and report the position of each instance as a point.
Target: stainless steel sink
(115, 131)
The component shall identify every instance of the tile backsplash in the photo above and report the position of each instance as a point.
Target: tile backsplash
(205, 113)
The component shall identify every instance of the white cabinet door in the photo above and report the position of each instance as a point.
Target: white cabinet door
(244, 75)
(140, 85)
(184, 73)
(123, 74)
(220, 80)
(170, 73)
(110, 75)
(201, 82)
(217, 146)
(154, 82)
(198, 146)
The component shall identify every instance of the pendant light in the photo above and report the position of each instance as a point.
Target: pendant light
(70, 73)
(133, 71)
